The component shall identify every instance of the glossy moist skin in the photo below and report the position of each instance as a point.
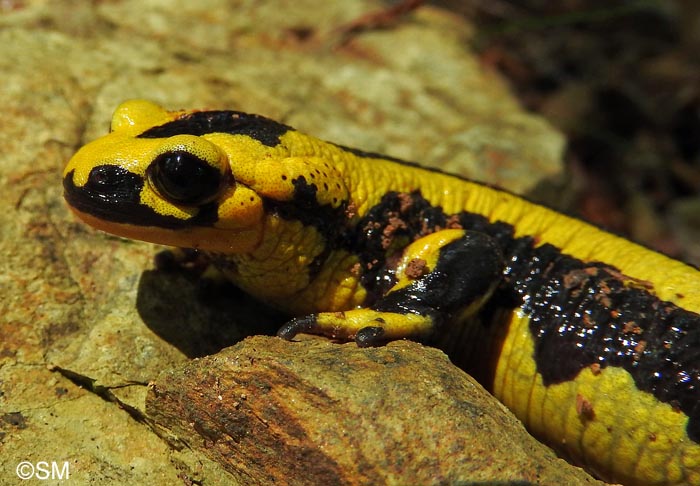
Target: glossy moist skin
(591, 340)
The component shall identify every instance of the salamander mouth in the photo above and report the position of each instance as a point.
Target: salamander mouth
(113, 194)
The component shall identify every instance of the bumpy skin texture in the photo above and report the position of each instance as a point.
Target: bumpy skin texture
(593, 341)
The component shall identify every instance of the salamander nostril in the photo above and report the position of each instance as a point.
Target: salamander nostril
(106, 177)
(109, 183)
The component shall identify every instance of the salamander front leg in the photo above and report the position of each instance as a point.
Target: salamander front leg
(446, 274)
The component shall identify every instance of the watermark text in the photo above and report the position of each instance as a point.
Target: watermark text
(43, 470)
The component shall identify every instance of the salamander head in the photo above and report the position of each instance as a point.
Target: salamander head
(198, 179)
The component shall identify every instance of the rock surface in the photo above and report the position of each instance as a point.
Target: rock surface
(314, 412)
(86, 323)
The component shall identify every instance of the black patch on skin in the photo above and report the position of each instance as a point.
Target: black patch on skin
(377, 237)
(383, 232)
(582, 314)
(467, 269)
(329, 221)
(264, 130)
(112, 193)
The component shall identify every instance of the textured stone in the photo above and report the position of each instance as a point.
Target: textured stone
(315, 412)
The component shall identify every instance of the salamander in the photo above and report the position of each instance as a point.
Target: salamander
(591, 340)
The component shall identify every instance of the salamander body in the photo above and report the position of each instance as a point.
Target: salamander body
(591, 340)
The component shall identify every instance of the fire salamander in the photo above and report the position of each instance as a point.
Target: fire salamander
(591, 340)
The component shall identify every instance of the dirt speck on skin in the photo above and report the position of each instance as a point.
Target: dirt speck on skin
(416, 268)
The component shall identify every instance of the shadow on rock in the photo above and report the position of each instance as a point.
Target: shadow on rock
(199, 317)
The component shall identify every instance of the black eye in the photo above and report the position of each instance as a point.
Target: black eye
(184, 178)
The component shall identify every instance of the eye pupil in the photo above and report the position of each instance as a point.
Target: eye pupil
(184, 178)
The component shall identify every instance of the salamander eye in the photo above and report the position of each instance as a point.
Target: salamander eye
(184, 178)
